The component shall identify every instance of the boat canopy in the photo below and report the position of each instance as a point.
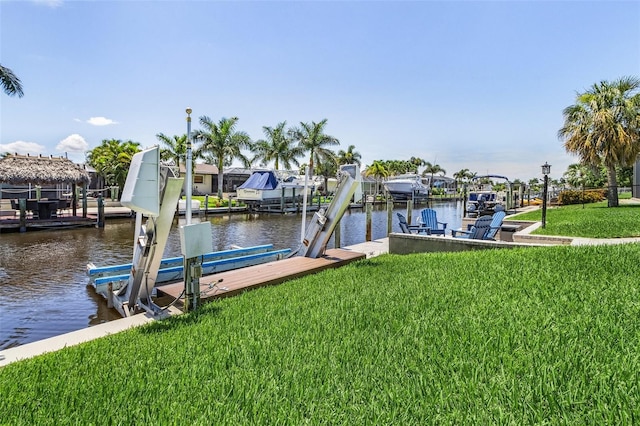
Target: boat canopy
(261, 180)
(491, 177)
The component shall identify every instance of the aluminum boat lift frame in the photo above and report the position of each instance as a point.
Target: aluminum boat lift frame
(325, 221)
(152, 191)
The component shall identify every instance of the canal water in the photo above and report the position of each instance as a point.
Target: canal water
(43, 283)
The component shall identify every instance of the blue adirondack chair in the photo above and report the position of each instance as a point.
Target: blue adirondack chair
(406, 228)
(477, 231)
(430, 220)
(496, 224)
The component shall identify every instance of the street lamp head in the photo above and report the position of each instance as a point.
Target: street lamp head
(546, 168)
(188, 110)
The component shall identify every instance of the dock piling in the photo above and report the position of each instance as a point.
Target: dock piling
(369, 208)
(22, 202)
(389, 215)
(100, 212)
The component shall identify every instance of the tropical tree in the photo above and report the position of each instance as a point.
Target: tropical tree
(625, 175)
(398, 167)
(111, 160)
(462, 176)
(278, 146)
(175, 150)
(222, 144)
(350, 156)
(432, 169)
(577, 175)
(378, 171)
(327, 167)
(10, 82)
(534, 184)
(311, 138)
(603, 127)
(417, 162)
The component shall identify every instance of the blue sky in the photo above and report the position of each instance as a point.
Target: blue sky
(465, 84)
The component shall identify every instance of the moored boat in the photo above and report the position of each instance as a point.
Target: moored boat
(482, 199)
(265, 187)
(406, 186)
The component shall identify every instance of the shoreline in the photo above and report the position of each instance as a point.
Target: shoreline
(56, 343)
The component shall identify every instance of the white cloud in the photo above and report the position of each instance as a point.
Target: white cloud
(73, 143)
(101, 121)
(22, 147)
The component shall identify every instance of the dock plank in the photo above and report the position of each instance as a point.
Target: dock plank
(240, 280)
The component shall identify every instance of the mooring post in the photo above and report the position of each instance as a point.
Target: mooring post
(74, 199)
(369, 209)
(100, 212)
(389, 215)
(22, 202)
(84, 201)
(409, 210)
(464, 199)
(282, 204)
(206, 204)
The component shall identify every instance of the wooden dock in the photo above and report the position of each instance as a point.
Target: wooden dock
(240, 280)
(12, 224)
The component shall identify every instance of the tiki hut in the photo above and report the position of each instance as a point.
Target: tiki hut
(23, 169)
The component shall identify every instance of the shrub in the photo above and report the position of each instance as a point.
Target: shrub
(572, 196)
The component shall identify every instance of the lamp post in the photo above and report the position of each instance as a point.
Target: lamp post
(546, 169)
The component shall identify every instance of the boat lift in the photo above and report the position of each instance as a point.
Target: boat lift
(324, 221)
(153, 191)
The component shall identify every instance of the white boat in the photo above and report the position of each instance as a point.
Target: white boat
(406, 186)
(482, 199)
(265, 187)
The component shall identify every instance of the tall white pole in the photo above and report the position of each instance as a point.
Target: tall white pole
(188, 179)
(304, 204)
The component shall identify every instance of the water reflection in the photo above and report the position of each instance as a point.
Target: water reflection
(44, 291)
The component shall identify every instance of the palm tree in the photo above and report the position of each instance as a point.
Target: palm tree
(350, 156)
(175, 150)
(398, 167)
(378, 171)
(461, 176)
(222, 143)
(603, 127)
(278, 146)
(418, 162)
(10, 82)
(575, 175)
(112, 160)
(311, 138)
(432, 169)
(327, 167)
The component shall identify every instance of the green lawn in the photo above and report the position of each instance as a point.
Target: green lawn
(592, 221)
(532, 335)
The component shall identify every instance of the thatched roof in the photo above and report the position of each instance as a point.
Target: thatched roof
(21, 169)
